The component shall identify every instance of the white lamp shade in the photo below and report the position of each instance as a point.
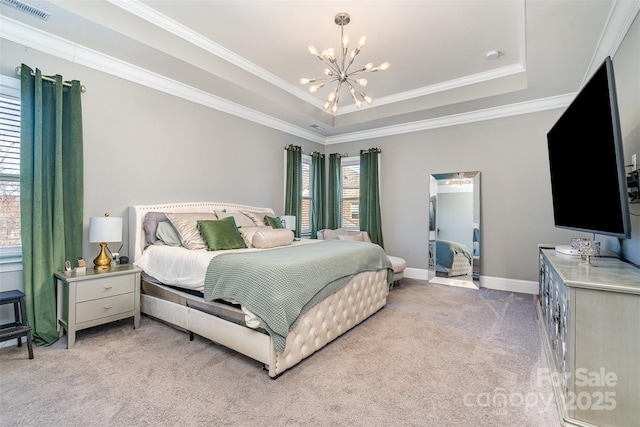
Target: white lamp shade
(104, 229)
(288, 221)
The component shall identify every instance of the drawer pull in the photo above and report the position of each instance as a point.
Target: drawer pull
(108, 286)
(107, 307)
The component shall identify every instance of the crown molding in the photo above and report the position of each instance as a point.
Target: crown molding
(34, 38)
(528, 107)
(620, 19)
(150, 15)
(442, 87)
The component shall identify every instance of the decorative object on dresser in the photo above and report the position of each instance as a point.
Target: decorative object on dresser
(96, 297)
(590, 317)
(330, 286)
(102, 230)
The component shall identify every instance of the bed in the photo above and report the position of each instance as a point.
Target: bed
(187, 291)
(453, 259)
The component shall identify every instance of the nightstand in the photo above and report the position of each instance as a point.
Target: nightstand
(94, 297)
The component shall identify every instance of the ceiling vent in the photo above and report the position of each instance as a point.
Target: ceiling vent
(31, 10)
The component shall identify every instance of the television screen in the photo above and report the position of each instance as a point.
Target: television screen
(588, 181)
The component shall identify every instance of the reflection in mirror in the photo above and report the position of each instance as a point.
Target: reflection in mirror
(454, 229)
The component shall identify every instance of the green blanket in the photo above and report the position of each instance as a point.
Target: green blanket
(280, 285)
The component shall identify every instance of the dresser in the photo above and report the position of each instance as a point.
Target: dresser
(95, 297)
(590, 318)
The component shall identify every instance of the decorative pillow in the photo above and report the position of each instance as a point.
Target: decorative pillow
(248, 232)
(274, 222)
(150, 225)
(333, 234)
(241, 219)
(221, 234)
(186, 224)
(256, 217)
(168, 234)
(271, 238)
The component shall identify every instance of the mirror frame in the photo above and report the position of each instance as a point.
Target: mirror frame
(433, 274)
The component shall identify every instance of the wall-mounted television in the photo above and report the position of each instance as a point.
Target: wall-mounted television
(588, 181)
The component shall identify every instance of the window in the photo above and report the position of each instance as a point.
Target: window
(351, 192)
(307, 196)
(9, 168)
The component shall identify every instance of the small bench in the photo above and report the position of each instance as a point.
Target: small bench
(398, 264)
(19, 327)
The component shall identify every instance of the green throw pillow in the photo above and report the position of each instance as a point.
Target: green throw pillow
(221, 234)
(274, 222)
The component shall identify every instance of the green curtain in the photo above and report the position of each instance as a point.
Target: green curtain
(318, 193)
(334, 203)
(293, 193)
(370, 218)
(51, 191)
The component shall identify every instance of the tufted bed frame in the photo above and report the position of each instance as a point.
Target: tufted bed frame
(361, 297)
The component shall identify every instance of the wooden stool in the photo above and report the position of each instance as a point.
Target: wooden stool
(19, 328)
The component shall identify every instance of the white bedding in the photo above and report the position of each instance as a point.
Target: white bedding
(178, 266)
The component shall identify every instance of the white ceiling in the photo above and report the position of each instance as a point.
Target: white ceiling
(245, 57)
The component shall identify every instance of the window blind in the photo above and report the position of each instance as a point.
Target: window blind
(9, 172)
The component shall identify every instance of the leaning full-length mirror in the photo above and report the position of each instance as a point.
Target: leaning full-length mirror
(454, 229)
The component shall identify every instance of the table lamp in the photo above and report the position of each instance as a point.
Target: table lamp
(104, 229)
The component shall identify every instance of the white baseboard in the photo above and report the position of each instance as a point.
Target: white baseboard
(488, 282)
(416, 273)
(510, 285)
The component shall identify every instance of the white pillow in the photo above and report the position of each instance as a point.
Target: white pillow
(248, 232)
(186, 224)
(256, 217)
(272, 237)
(240, 219)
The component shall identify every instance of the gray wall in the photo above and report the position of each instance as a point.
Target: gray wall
(144, 146)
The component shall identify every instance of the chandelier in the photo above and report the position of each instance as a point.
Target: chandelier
(339, 70)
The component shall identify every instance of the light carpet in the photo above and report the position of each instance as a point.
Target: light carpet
(434, 356)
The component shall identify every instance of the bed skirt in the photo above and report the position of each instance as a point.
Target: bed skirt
(362, 296)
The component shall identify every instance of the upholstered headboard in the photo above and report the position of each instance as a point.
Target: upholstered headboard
(138, 212)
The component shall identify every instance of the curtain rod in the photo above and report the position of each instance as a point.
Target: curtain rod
(83, 88)
(345, 154)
